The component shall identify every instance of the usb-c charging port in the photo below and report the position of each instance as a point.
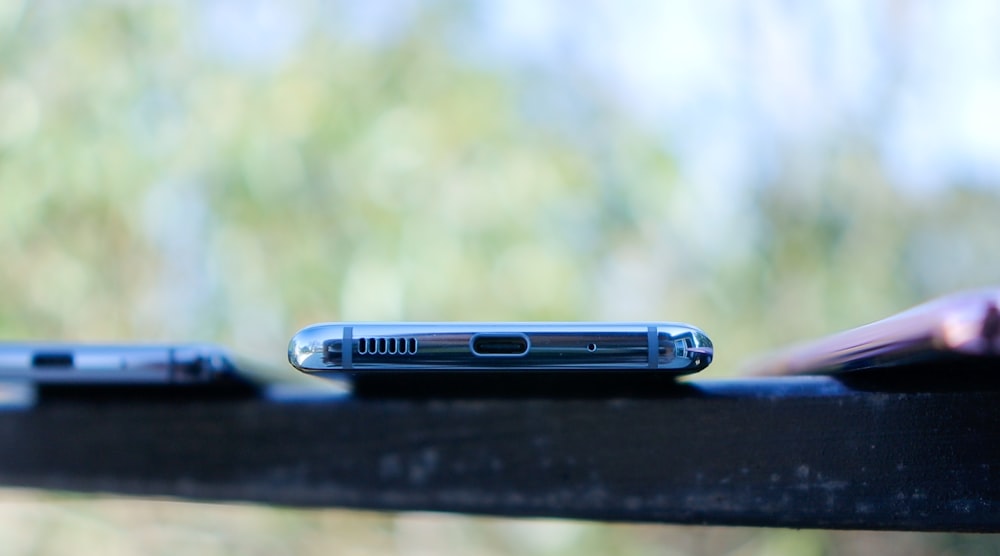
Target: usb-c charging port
(53, 360)
(499, 344)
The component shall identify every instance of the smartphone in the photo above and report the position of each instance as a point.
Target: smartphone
(338, 348)
(65, 363)
(962, 325)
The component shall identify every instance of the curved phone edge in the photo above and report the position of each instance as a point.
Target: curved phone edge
(961, 323)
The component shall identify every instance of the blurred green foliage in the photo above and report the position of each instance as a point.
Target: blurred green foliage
(155, 184)
(156, 191)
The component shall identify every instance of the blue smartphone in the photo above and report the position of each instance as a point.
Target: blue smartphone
(370, 347)
(68, 363)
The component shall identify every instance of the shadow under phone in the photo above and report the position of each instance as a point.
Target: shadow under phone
(548, 385)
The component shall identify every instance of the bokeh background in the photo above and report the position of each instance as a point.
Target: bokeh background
(233, 170)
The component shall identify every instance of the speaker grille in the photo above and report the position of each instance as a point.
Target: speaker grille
(387, 346)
